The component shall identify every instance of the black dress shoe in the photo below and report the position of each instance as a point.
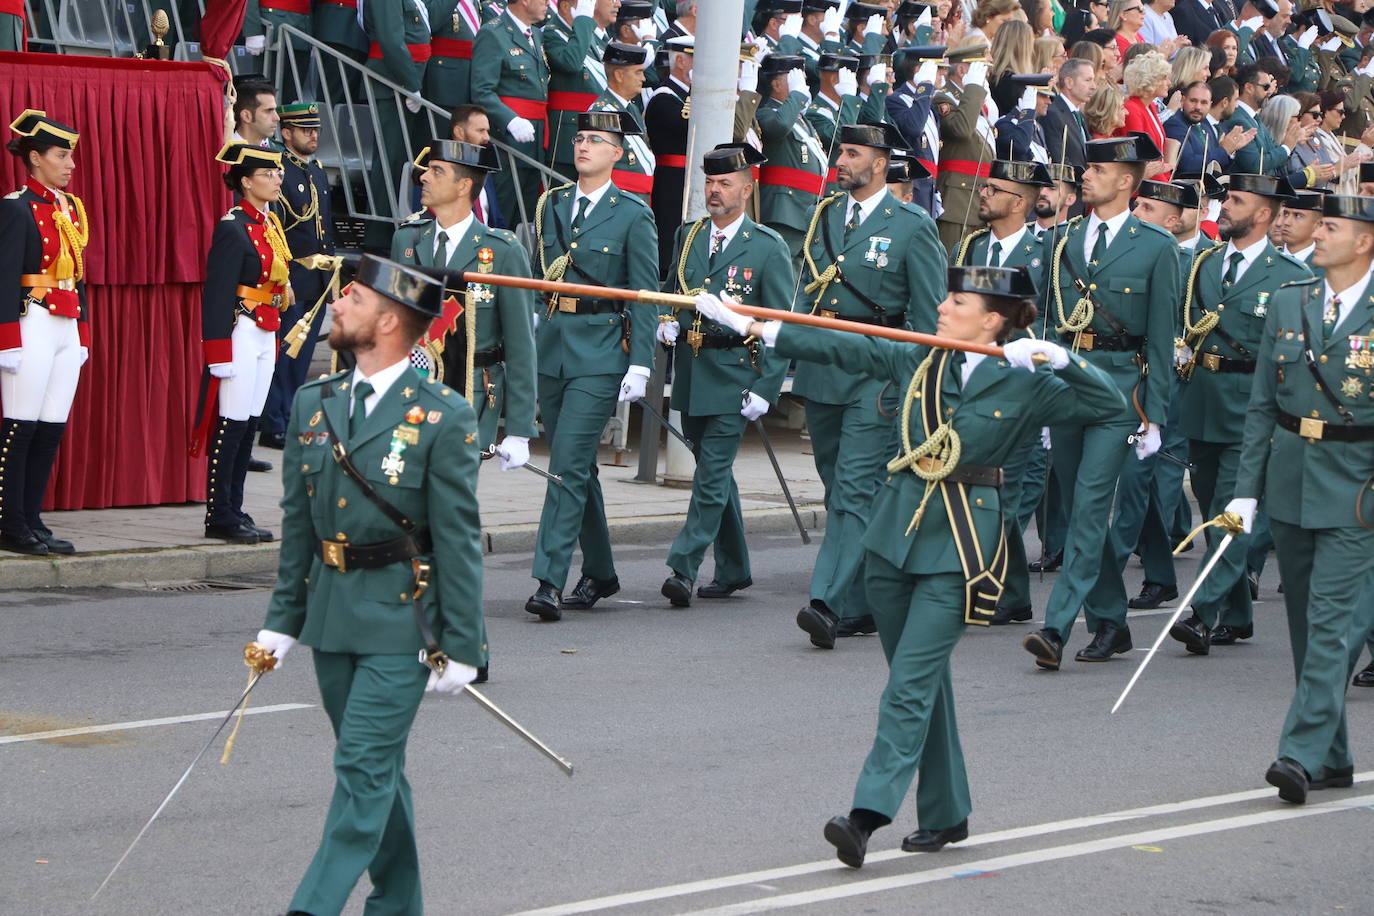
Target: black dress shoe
(863, 625)
(544, 602)
(1227, 635)
(1290, 779)
(255, 464)
(1001, 616)
(935, 840)
(1050, 562)
(1047, 647)
(820, 624)
(234, 534)
(272, 440)
(264, 535)
(588, 592)
(1108, 641)
(677, 588)
(30, 544)
(1252, 577)
(1152, 595)
(1364, 678)
(482, 674)
(719, 589)
(850, 841)
(55, 544)
(1327, 778)
(1194, 635)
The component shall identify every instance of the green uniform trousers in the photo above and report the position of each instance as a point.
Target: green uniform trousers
(489, 411)
(1016, 590)
(713, 516)
(575, 411)
(850, 444)
(1327, 592)
(1157, 534)
(371, 702)
(11, 32)
(1225, 597)
(1091, 457)
(920, 620)
(1042, 497)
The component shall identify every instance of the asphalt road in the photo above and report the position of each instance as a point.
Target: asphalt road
(711, 745)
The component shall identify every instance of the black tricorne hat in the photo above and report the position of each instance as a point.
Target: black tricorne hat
(1263, 185)
(1339, 206)
(858, 11)
(731, 157)
(903, 169)
(614, 122)
(1135, 147)
(1307, 199)
(1063, 171)
(619, 54)
(1180, 195)
(911, 9)
(482, 158)
(778, 7)
(878, 136)
(402, 284)
(819, 6)
(922, 52)
(778, 64)
(631, 10)
(1032, 173)
(1007, 282)
(836, 62)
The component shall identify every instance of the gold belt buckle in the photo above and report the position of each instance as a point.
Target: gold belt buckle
(333, 552)
(1309, 428)
(827, 313)
(1210, 361)
(68, 284)
(277, 300)
(567, 305)
(1087, 340)
(930, 465)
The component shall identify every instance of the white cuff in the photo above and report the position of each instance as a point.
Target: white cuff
(639, 370)
(770, 333)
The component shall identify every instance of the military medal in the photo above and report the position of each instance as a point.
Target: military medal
(457, 19)
(1361, 354)
(1262, 305)
(1352, 387)
(485, 257)
(748, 278)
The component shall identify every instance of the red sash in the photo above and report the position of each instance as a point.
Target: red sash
(671, 161)
(451, 47)
(286, 6)
(532, 110)
(571, 101)
(418, 53)
(793, 178)
(967, 167)
(634, 182)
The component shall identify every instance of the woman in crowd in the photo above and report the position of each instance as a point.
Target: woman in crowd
(1048, 55)
(1011, 55)
(1126, 18)
(1226, 42)
(1147, 80)
(1105, 112)
(990, 15)
(1190, 65)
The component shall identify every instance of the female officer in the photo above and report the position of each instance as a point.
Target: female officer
(246, 289)
(935, 558)
(44, 332)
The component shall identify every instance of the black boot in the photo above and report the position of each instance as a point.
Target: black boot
(42, 456)
(245, 455)
(16, 438)
(221, 514)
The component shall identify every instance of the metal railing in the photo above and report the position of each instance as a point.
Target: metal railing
(107, 28)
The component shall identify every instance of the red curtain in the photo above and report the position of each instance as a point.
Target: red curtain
(221, 24)
(145, 169)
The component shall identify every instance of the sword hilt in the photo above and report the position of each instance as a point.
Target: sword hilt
(256, 657)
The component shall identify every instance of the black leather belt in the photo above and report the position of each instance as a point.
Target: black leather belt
(1091, 340)
(975, 475)
(722, 342)
(344, 556)
(586, 305)
(1214, 363)
(484, 359)
(888, 320)
(1310, 428)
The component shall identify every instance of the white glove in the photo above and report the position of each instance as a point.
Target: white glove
(1183, 355)
(584, 8)
(413, 104)
(977, 74)
(456, 676)
(796, 82)
(513, 452)
(667, 332)
(874, 25)
(276, 644)
(10, 360)
(222, 370)
(85, 355)
(753, 407)
(848, 82)
(924, 18)
(877, 74)
(927, 72)
(1045, 441)
(712, 307)
(830, 22)
(1018, 353)
(791, 26)
(1147, 441)
(1245, 507)
(254, 44)
(634, 385)
(748, 76)
(1331, 44)
(1253, 23)
(520, 130)
(1309, 36)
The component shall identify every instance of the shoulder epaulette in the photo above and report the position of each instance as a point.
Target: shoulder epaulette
(14, 195)
(326, 379)
(1294, 262)
(419, 216)
(768, 231)
(443, 393)
(967, 243)
(229, 217)
(1163, 232)
(1301, 281)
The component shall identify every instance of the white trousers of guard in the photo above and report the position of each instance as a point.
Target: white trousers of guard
(45, 384)
(255, 358)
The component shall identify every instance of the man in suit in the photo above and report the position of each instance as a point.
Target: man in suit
(1006, 203)
(1265, 154)
(1233, 281)
(868, 259)
(1199, 18)
(1111, 287)
(470, 124)
(966, 139)
(592, 352)
(1306, 454)
(721, 382)
(346, 586)
(1065, 129)
(575, 35)
(1192, 138)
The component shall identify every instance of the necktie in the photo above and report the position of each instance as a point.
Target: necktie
(995, 255)
(1232, 266)
(1100, 246)
(1082, 124)
(440, 256)
(1329, 316)
(359, 413)
(717, 243)
(477, 208)
(582, 203)
(853, 223)
(956, 367)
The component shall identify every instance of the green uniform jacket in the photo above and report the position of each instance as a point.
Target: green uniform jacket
(338, 25)
(755, 269)
(788, 142)
(447, 78)
(825, 119)
(369, 611)
(802, 46)
(960, 140)
(568, 50)
(1028, 253)
(256, 19)
(1308, 483)
(1137, 281)
(504, 64)
(996, 411)
(1213, 408)
(617, 246)
(637, 159)
(503, 314)
(1264, 148)
(394, 24)
(893, 259)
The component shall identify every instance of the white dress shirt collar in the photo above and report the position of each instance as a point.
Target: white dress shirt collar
(971, 361)
(1113, 227)
(1247, 254)
(1348, 297)
(1008, 244)
(729, 232)
(593, 198)
(381, 382)
(455, 235)
(866, 207)
(1304, 254)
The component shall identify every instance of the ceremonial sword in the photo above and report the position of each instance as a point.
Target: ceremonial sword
(1231, 523)
(663, 421)
(533, 469)
(782, 481)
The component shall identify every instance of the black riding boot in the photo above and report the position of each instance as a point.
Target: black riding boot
(245, 454)
(221, 513)
(16, 439)
(42, 456)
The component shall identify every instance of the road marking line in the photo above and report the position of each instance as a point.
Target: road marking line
(983, 839)
(1034, 857)
(146, 723)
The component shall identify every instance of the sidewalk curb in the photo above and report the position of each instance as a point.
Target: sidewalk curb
(213, 561)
